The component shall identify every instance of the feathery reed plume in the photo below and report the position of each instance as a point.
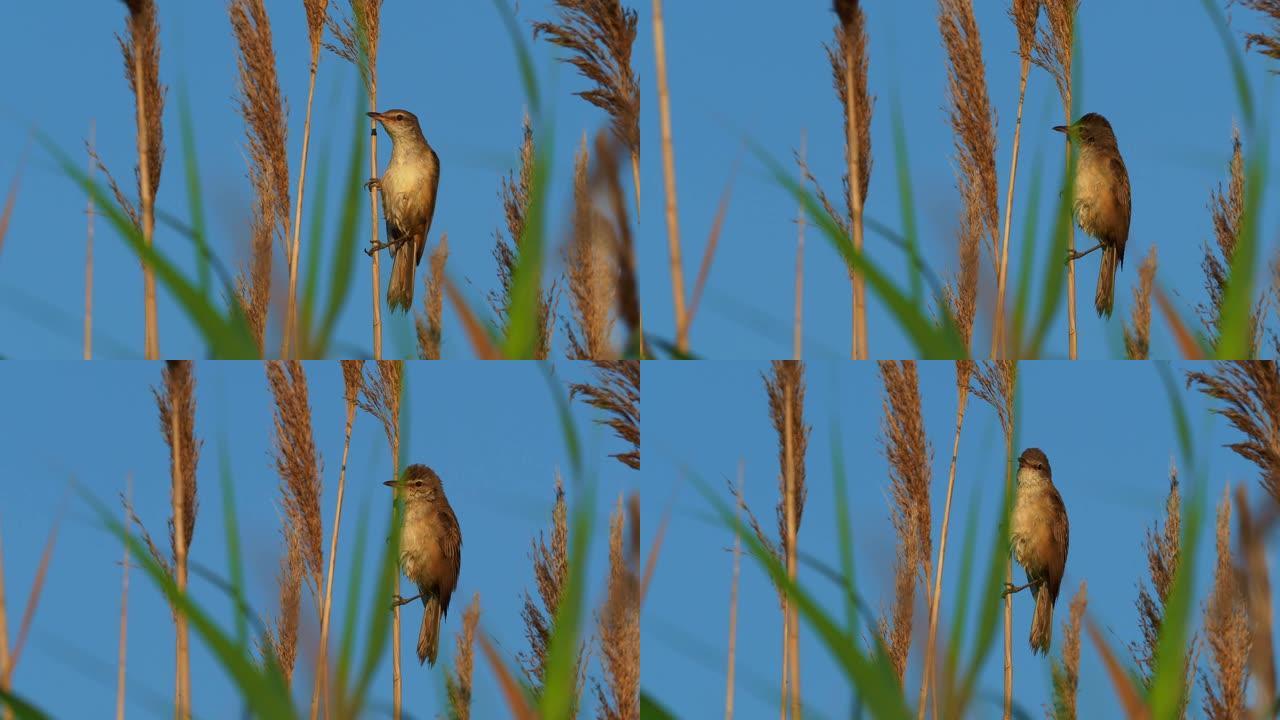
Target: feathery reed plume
(910, 459)
(1025, 14)
(739, 505)
(352, 383)
(506, 251)
(626, 289)
(617, 392)
(550, 572)
(430, 323)
(1137, 334)
(669, 179)
(1163, 556)
(380, 397)
(1226, 630)
(177, 405)
(1066, 672)
(141, 51)
(1052, 52)
(973, 124)
(458, 682)
(964, 370)
(1227, 208)
(123, 645)
(1268, 43)
(1251, 391)
(619, 625)
(995, 383)
(317, 11)
(357, 43)
(601, 33)
(1257, 584)
(262, 107)
(88, 259)
(849, 62)
(279, 646)
(590, 275)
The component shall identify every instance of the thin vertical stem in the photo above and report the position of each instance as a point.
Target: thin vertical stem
(669, 177)
(786, 660)
(635, 179)
(7, 712)
(377, 274)
(998, 341)
(88, 262)
(396, 680)
(797, 338)
(1071, 251)
(733, 601)
(792, 618)
(853, 152)
(152, 340)
(322, 660)
(124, 615)
(291, 313)
(927, 676)
(1008, 599)
(183, 674)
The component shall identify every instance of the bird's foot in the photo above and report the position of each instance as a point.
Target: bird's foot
(373, 183)
(402, 600)
(384, 245)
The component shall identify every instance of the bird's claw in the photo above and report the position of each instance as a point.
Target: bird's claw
(1009, 589)
(373, 183)
(400, 600)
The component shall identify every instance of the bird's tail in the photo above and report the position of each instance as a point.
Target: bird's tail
(1105, 297)
(1042, 623)
(429, 635)
(400, 289)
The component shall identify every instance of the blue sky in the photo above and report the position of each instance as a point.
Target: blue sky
(450, 63)
(1109, 438)
(490, 431)
(740, 76)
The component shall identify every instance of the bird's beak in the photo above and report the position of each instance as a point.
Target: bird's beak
(1058, 128)
(392, 483)
(375, 115)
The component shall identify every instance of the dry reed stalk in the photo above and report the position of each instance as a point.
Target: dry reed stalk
(430, 324)
(1066, 672)
(261, 105)
(1250, 390)
(357, 43)
(298, 463)
(380, 397)
(352, 381)
(626, 289)
(669, 179)
(317, 11)
(141, 51)
(177, 405)
(1025, 14)
(849, 75)
(797, 333)
(1269, 43)
(514, 191)
(1137, 334)
(1163, 557)
(1262, 659)
(733, 597)
(910, 458)
(123, 645)
(973, 124)
(1052, 52)
(11, 198)
(590, 275)
(88, 262)
(619, 624)
(1226, 629)
(458, 682)
(964, 370)
(995, 383)
(550, 572)
(600, 34)
(1227, 208)
(617, 392)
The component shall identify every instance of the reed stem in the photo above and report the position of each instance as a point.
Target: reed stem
(669, 177)
(290, 339)
(998, 342)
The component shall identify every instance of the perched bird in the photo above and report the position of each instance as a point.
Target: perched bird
(1039, 535)
(430, 551)
(408, 189)
(1102, 205)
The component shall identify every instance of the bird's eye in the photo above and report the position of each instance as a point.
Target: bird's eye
(399, 116)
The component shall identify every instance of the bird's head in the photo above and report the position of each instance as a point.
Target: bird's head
(1090, 129)
(1034, 459)
(398, 123)
(418, 481)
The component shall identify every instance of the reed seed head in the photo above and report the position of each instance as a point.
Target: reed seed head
(1226, 629)
(1137, 332)
(176, 398)
(1250, 393)
(616, 391)
(430, 324)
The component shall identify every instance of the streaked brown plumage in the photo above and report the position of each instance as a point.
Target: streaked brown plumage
(430, 551)
(1039, 535)
(1102, 201)
(408, 187)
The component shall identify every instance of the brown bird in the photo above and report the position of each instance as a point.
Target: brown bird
(408, 188)
(430, 551)
(1039, 535)
(1102, 202)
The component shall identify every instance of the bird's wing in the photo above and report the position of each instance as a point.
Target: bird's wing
(1123, 204)
(429, 196)
(452, 549)
(1061, 541)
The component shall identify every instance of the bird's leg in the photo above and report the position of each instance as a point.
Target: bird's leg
(373, 183)
(1076, 255)
(403, 601)
(384, 245)
(1010, 588)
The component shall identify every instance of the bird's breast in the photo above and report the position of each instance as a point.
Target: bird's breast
(422, 555)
